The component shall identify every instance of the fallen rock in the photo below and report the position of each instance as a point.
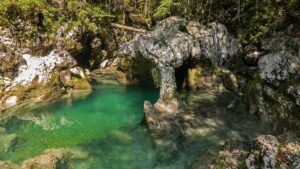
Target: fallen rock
(76, 79)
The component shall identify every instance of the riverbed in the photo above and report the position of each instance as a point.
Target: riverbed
(105, 129)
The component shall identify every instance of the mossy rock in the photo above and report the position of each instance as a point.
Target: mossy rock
(80, 84)
(39, 90)
(132, 71)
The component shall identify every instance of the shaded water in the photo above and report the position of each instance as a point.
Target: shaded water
(104, 128)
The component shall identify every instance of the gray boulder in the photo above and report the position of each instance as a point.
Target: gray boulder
(279, 67)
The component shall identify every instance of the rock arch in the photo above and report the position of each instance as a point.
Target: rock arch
(174, 41)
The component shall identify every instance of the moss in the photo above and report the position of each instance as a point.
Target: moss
(80, 84)
(135, 71)
(40, 16)
(252, 85)
(36, 90)
(242, 164)
(164, 9)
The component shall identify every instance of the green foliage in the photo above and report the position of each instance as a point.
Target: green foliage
(251, 86)
(27, 19)
(266, 14)
(164, 9)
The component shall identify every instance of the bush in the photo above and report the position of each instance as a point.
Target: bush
(28, 18)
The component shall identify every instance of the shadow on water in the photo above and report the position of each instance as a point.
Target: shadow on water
(224, 123)
(105, 129)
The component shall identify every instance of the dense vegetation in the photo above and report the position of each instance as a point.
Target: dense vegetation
(27, 19)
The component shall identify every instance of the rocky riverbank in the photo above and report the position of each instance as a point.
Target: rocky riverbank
(266, 77)
(38, 78)
(177, 55)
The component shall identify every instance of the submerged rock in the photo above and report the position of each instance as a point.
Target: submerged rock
(49, 159)
(7, 141)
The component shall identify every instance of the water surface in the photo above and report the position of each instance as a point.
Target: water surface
(104, 129)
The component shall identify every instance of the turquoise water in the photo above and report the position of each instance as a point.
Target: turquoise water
(104, 129)
(102, 122)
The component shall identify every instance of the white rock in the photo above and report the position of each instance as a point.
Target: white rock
(40, 67)
(115, 62)
(87, 72)
(104, 64)
(6, 41)
(11, 100)
(5, 81)
(78, 71)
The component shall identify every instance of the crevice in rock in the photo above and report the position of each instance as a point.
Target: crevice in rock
(138, 71)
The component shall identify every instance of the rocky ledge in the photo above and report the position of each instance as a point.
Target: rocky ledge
(267, 152)
(37, 78)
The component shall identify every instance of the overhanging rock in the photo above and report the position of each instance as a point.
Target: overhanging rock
(174, 41)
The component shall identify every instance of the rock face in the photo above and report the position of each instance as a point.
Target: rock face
(23, 76)
(89, 47)
(175, 41)
(266, 152)
(279, 67)
(274, 93)
(42, 67)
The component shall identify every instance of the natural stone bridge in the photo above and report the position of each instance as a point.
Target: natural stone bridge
(175, 41)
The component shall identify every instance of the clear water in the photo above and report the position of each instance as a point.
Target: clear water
(104, 129)
(105, 124)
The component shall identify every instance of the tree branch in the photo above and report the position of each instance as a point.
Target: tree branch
(127, 28)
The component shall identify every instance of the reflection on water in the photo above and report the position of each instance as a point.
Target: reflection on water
(104, 129)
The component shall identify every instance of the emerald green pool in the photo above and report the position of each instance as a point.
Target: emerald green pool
(104, 129)
(105, 124)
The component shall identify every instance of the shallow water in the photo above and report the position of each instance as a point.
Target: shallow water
(104, 129)
(106, 114)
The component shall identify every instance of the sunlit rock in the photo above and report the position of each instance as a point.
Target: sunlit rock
(38, 78)
(174, 41)
(11, 101)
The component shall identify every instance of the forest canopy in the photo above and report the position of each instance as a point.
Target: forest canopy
(49, 15)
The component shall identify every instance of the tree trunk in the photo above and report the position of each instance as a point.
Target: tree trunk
(239, 11)
(127, 28)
